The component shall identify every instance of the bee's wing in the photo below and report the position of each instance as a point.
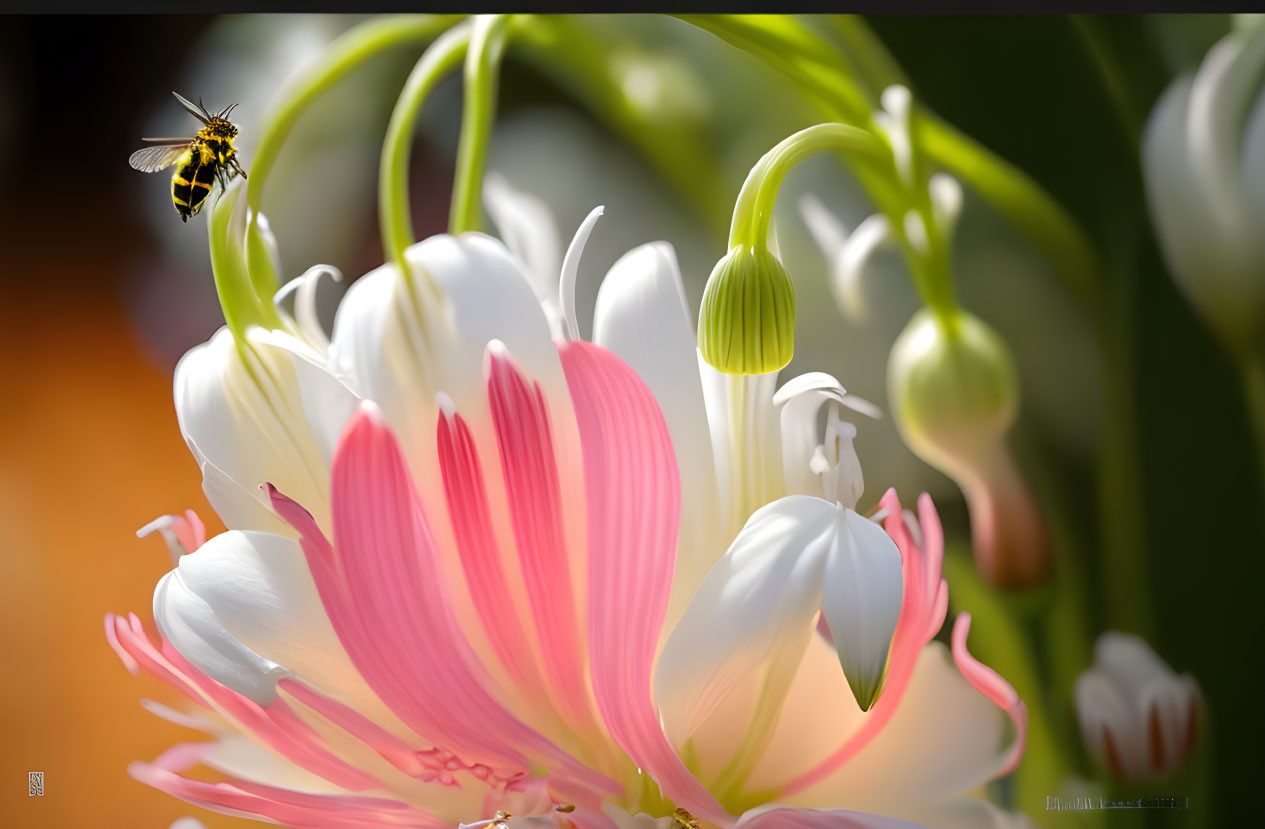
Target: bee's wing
(157, 157)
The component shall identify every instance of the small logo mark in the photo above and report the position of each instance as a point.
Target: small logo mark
(35, 783)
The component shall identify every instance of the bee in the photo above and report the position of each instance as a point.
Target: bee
(207, 157)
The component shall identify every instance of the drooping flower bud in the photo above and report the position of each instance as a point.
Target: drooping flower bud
(1203, 160)
(747, 321)
(1138, 719)
(954, 392)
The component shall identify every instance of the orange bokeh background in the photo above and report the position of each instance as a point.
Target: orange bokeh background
(89, 452)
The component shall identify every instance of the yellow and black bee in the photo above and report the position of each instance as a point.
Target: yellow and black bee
(201, 160)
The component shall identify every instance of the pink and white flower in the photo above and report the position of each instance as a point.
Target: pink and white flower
(482, 571)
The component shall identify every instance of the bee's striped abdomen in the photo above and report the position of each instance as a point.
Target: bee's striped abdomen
(192, 181)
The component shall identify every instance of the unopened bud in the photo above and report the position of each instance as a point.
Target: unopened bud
(747, 321)
(954, 391)
(1139, 720)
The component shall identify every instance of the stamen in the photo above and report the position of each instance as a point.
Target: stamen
(685, 819)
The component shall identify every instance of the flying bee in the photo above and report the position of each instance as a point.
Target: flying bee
(207, 157)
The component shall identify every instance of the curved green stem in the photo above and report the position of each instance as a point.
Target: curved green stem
(342, 56)
(483, 63)
(787, 46)
(753, 210)
(443, 56)
(831, 88)
(242, 306)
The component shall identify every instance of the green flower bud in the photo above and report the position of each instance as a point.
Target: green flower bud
(747, 321)
(954, 391)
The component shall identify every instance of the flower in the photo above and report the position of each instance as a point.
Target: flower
(496, 574)
(1203, 152)
(1138, 719)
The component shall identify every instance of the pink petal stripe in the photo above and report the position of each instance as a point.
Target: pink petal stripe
(786, 817)
(924, 601)
(634, 501)
(380, 586)
(429, 765)
(285, 806)
(275, 725)
(129, 641)
(991, 684)
(468, 509)
(534, 494)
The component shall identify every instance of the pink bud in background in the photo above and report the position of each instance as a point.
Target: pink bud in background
(1138, 719)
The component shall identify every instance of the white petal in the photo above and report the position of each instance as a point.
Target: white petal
(943, 740)
(641, 315)
(861, 602)
(870, 236)
(570, 271)
(270, 411)
(191, 626)
(1106, 718)
(261, 593)
(1129, 662)
(800, 399)
(187, 823)
(829, 233)
(527, 226)
(1228, 75)
(746, 447)
(753, 614)
(304, 288)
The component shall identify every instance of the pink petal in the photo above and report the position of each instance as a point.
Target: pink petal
(633, 495)
(991, 684)
(470, 513)
(429, 765)
(534, 494)
(285, 806)
(381, 585)
(274, 725)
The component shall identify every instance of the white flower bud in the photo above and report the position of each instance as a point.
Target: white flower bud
(1138, 719)
(1203, 158)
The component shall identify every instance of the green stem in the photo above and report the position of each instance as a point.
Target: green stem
(443, 56)
(1038, 216)
(874, 63)
(790, 48)
(343, 55)
(753, 210)
(242, 306)
(483, 63)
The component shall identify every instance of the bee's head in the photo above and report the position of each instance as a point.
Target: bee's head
(221, 127)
